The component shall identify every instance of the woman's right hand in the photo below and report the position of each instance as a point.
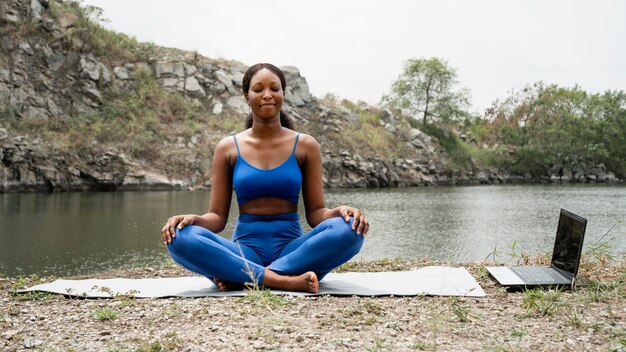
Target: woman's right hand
(180, 221)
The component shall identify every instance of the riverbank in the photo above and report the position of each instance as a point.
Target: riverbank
(593, 318)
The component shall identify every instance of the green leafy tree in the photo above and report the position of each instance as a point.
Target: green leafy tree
(426, 89)
(550, 124)
(610, 112)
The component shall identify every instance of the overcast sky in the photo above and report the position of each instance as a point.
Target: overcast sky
(356, 48)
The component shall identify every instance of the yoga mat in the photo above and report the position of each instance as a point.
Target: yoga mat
(432, 280)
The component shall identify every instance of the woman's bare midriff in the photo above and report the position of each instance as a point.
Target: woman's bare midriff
(268, 206)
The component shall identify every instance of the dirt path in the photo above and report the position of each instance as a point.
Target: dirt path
(592, 318)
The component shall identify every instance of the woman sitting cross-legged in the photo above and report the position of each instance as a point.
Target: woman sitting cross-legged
(267, 164)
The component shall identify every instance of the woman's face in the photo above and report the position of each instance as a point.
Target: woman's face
(265, 95)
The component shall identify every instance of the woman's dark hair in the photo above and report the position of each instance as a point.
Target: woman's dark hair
(285, 121)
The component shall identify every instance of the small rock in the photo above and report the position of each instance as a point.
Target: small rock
(31, 343)
(217, 109)
(26, 48)
(121, 73)
(11, 16)
(36, 9)
(93, 94)
(9, 334)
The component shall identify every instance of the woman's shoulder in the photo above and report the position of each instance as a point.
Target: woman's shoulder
(307, 141)
(229, 141)
(225, 142)
(226, 147)
(307, 147)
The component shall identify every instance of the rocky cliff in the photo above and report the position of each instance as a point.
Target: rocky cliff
(83, 108)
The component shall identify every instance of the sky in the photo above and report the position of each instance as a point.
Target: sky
(356, 49)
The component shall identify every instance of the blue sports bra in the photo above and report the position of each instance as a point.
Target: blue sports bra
(283, 181)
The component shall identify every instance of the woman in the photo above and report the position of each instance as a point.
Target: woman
(267, 164)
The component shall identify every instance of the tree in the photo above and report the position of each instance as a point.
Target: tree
(425, 88)
(554, 124)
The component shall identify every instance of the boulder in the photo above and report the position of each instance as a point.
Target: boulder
(106, 75)
(171, 82)
(238, 104)
(36, 112)
(418, 144)
(293, 99)
(89, 69)
(193, 88)
(93, 94)
(26, 47)
(205, 82)
(9, 14)
(136, 181)
(226, 80)
(206, 69)
(54, 59)
(170, 69)
(121, 73)
(610, 177)
(36, 8)
(237, 78)
(5, 75)
(52, 107)
(415, 134)
(481, 177)
(190, 70)
(297, 92)
(67, 20)
(93, 70)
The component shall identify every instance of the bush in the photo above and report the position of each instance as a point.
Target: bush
(458, 151)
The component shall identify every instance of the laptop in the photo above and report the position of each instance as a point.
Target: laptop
(564, 264)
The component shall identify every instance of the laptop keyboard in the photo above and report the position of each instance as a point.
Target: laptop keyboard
(534, 274)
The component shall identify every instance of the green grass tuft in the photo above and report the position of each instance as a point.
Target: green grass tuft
(106, 314)
(265, 298)
(544, 302)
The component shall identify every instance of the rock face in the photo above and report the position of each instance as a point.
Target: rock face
(28, 166)
(49, 76)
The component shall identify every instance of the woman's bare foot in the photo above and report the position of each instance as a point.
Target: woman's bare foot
(306, 282)
(227, 285)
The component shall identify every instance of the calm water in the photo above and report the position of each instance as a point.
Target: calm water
(80, 233)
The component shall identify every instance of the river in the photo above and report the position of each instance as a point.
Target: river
(65, 234)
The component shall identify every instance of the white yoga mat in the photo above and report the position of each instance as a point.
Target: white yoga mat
(432, 280)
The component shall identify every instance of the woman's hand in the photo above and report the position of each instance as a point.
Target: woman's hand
(168, 232)
(360, 224)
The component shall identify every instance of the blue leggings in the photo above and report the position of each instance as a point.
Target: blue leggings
(274, 241)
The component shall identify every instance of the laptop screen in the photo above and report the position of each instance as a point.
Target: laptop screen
(569, 241)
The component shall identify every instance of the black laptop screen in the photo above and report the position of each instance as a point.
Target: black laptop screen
(569, 240)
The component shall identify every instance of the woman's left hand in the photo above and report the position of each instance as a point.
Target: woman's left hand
(360, 224)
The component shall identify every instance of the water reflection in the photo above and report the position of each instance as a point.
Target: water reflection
(73, 233)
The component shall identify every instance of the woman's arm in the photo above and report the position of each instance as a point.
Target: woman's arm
(221, 192)
(313, 190)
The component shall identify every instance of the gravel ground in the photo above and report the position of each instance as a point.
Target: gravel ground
(591, 319)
